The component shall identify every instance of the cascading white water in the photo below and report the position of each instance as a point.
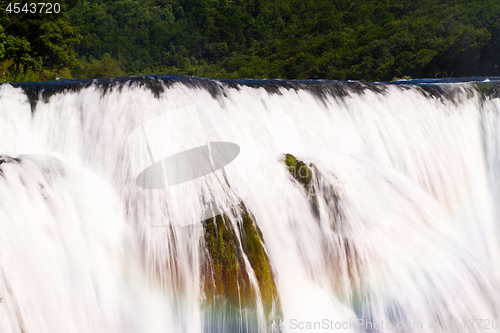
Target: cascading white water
(405, 230)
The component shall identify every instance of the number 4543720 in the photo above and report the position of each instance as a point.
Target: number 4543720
(41, 7)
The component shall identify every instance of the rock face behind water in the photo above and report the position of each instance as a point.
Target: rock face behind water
(224, 270)
(304, 174)
(226, 283)
(7, 159)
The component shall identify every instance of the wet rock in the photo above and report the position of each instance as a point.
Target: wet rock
(7, 159)
(304, 174)
(224, 269)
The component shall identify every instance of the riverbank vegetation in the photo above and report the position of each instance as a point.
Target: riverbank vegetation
(366, 40)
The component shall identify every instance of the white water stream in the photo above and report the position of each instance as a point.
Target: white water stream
(407, 230)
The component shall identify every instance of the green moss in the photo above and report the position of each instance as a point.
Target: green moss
(303, 173)
(253, 247)
(406, 77)
(300, 171)
(487, 90)
(225, 274)
(224, 271)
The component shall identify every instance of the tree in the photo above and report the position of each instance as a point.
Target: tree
(37, 40)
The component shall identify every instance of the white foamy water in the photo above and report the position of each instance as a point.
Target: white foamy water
(405, 232)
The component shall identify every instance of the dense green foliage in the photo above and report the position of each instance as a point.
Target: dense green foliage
(294, 39)
(33, 42)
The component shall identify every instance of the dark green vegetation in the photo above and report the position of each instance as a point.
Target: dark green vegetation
(295, 39)
(224, 269)
(32, 45)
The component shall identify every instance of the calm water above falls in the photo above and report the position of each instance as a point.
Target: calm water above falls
(398, 222)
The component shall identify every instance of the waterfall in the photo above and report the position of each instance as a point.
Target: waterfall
(348, 207)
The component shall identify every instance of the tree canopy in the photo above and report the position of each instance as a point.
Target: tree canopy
(34, 41)
(368, 40)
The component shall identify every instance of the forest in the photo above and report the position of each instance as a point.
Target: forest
(365, 40)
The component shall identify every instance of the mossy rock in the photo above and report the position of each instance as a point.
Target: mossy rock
(304, 174)
(253, 247)
(224, 269)
(487, 89)
(307, 175)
